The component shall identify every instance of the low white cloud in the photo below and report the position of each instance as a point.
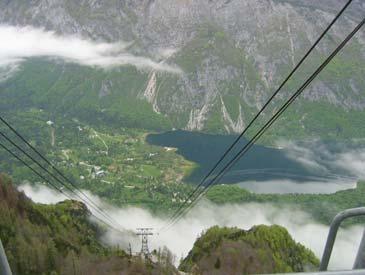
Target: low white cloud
(306, 156)
(352, 161)
(165, 53)
(284, 186)
(42, 194)
(330, 167)
(8, 70)
(181, 237)
(315, 155)
(19, 43)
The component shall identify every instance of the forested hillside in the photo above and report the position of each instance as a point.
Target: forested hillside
(60, 239)
(322, 207)
(260, 250)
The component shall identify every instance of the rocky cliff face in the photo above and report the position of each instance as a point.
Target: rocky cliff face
(233, 53)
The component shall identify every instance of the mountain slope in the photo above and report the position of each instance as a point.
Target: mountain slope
(262, 249)
(59, 239)
(232, 53)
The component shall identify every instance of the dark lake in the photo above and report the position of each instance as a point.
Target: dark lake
(259, 164)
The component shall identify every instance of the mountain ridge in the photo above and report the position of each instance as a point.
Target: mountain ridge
(233, 54)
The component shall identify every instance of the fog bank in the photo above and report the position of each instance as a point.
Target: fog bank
(180, 238)
(336, 166)
(290, 186)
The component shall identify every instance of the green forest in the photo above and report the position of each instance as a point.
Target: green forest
(260, 250)
(61, 239)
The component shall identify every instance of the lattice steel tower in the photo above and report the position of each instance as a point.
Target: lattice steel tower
(144, 233)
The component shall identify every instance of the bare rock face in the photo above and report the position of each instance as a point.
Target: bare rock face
(233, 53)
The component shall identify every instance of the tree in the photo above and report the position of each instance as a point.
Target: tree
(217, 264)
(51, 256)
